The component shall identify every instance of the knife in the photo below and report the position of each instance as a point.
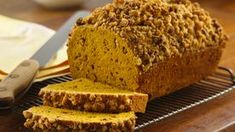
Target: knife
(20, 79)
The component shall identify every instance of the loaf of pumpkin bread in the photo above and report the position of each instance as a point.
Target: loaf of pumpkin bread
(45, 118)
(85, 95)
(150, 46)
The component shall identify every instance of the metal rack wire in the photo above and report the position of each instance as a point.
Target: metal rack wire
(221, 82)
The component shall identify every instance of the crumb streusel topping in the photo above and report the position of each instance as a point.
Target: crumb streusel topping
(158, 29)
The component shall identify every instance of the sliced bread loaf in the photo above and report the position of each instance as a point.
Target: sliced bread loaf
(83, 94)
(150, 46)
(55, 119)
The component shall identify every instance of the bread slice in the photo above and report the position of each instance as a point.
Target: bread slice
(54, 119)
(83, 94)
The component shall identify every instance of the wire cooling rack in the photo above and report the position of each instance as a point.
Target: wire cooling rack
(221, 82)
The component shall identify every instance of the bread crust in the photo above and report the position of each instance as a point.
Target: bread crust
(178, 72)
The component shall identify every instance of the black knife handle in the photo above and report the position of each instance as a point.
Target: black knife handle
(17, 81)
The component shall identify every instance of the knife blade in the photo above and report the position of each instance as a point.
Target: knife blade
(23, 75)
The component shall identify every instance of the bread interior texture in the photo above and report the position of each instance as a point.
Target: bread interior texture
(101, 55)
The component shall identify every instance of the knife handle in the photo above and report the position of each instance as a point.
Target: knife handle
(17, 81)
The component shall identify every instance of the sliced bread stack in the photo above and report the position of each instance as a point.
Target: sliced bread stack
(84, 105)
